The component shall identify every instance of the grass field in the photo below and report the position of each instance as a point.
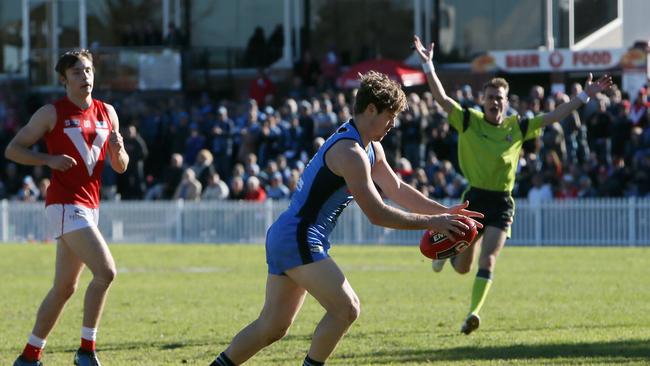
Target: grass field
(181, 304)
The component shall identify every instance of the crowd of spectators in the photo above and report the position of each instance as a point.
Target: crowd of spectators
(206, 149)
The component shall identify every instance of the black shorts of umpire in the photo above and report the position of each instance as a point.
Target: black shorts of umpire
(497, 207)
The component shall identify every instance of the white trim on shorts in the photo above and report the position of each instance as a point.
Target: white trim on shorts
(65, 218)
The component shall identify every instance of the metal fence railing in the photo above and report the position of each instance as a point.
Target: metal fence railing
(593, 222)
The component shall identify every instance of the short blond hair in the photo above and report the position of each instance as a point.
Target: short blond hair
(497, 83)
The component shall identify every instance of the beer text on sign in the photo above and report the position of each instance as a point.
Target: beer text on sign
(530, 60)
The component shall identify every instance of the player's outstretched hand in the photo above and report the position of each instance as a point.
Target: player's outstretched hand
(460, 209)
(426, 54)
(448, 224)
(61, 162)
(116, 140)
(603, 83)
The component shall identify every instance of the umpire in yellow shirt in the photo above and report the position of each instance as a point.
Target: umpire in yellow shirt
(489, 144)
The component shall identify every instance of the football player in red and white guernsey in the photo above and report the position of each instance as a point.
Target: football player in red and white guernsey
(79, 132)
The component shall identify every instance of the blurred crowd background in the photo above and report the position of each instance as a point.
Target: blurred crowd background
(229, 100)
(206, 148)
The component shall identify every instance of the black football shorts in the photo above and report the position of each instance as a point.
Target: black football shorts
(497, 207)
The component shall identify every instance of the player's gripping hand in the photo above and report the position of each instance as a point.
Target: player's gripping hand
(448, 224)
(116, 141)
(61, 162)
(461, 209)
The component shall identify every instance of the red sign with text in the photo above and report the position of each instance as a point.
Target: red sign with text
(557, 60)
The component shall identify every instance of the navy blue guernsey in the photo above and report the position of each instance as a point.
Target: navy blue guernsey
(319, 199)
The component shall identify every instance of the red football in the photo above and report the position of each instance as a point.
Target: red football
(438, 246)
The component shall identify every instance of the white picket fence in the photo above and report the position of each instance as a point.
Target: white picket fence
(593, 222)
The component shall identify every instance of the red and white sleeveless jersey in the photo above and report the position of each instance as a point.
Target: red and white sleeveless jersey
(83, 135)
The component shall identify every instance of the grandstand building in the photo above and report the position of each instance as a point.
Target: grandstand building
(208, 45)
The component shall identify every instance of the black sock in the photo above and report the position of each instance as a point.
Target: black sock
(484, 273)
(309, 362)
(222, 360)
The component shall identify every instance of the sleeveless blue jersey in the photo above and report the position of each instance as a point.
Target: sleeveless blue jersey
(321, 196)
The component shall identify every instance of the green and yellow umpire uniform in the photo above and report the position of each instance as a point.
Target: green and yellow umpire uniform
(488, 156)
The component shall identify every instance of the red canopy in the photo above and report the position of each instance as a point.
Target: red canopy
(396, 70)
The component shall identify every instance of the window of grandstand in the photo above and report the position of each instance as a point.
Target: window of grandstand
(68, 23)
(133, 23)
(247, 27)
(591, 15)
(478, 26)
(10, 41)
(378, 33)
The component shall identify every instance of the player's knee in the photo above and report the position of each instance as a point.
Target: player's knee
(276, 335)
(492, 261)
(462, 268)
(105, 276)
(275, 332)
(349, 311)
(108, 276)
(488, 262)
(354, 311)
(64, 291)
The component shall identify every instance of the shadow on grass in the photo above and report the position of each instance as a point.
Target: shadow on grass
(628, 349)
(142, 345)
(216, 344)
(593, 352)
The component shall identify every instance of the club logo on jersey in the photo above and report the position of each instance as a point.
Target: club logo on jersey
(89, 154)
(300, 184)
(509, 138)
(314, 248)
(71, 123)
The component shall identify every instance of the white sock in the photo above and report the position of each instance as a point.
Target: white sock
(36, 342)
(89, 334)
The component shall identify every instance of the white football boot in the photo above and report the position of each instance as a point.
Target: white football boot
(437, 264)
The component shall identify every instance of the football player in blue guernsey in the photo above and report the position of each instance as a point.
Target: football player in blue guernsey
(346, 167)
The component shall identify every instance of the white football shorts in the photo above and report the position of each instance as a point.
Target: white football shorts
(65, 218)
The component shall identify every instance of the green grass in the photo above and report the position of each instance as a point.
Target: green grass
(181, 304)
